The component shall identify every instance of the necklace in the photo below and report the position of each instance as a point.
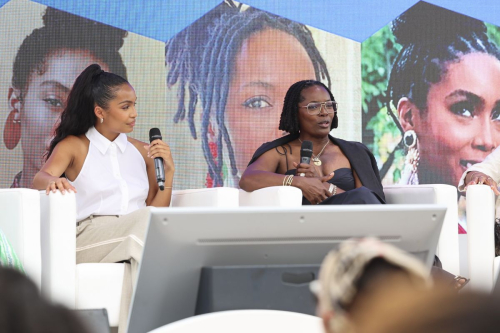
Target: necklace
(316, 159)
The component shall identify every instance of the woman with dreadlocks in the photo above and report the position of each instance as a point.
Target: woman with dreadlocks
(445, 86)
(341, 172)
(240, 63)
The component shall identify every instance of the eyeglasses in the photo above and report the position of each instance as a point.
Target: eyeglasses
(315, 108)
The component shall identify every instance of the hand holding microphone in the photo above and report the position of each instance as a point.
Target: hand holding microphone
(305, 169)
(314, 188)
(160, 151)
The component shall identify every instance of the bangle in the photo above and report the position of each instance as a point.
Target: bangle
(167, 187)
(332, 189)
(287, 181)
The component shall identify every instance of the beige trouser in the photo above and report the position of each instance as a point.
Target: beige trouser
(109, 239)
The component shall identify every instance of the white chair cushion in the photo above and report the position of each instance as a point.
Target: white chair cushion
(276, 196)
(205, 197)
(99, 286)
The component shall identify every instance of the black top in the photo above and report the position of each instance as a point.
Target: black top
(343, 178)
(361, 159)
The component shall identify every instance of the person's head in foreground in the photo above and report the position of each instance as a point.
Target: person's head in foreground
(23, 310)
(357, 273)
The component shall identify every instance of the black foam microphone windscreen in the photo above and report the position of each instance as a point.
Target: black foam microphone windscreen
(154, 134)
(306, 151)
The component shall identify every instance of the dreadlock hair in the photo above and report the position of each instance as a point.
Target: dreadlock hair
(431, 37)
(62, 31)
(93, 87)
(289, 120)
(202, 57)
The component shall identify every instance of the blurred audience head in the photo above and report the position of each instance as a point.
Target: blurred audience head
(358, 272)
(23, 310)
(436, 310)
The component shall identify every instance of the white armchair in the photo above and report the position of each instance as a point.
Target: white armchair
(396, 194)
(483, 265)
(42, 230)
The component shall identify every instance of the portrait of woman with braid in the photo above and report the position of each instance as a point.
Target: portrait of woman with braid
(443, 93)
(232, 69)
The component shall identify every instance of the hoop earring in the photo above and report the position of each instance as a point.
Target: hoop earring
(410, 139)
(410, 171)
(12, 130)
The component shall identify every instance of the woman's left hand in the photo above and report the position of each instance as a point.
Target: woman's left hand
(158, 148)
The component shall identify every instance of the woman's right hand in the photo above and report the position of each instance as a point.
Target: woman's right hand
(61, 184)
(476, 177)
(313, 189)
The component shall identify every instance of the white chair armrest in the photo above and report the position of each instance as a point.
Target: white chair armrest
(205, 197)
(448, 248)
(481, 240)
(58, 238)
(277, 196)
(496, 269)
(20, 223)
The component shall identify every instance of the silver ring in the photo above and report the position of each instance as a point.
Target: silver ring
(302, 174)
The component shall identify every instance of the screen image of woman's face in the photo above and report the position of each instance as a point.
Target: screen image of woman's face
(268, 63)
(43, 101)
(461, 125)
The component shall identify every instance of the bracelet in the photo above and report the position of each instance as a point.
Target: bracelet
(333, 188)
(167, 187)
(287, 181)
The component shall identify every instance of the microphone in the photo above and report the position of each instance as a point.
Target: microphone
(154, 134)
(306, 151)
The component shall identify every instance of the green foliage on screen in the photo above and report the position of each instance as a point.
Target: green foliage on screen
(381, 134)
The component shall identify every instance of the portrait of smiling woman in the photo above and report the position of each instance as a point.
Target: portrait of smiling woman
(443, 93)
(231, 70)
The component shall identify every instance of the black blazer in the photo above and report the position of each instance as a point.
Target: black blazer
(361, 159)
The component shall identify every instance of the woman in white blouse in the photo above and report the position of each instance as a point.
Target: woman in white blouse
(112, 175)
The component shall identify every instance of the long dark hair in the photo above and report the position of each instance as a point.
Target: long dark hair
(92, 87)
(289, 120)
(202, 58)
(62, 30)
(431, 37)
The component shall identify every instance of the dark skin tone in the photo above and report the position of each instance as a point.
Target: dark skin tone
(476, 177)
(269, 169)
(118, 117)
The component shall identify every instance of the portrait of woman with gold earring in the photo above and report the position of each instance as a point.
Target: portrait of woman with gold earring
(45, 68)
(443, 94)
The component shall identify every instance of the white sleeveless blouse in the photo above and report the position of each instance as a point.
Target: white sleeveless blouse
(113, 179)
